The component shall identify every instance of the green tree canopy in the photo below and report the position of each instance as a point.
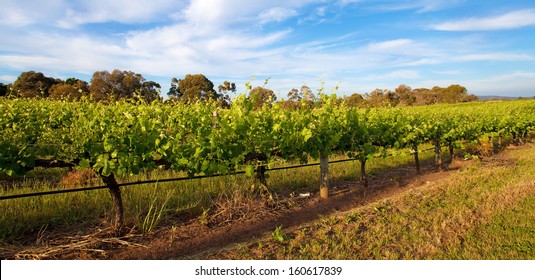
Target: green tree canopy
(226, 87)
(122, 85)
(355, 100)
(193, 88)
(403, 95)
(305, 93)
(406, 95)
(3, 89)
(294, 96)
(261, 96)
(71, 89)
(224, 90)
(381, 97)
(450, 94)
(33, 84)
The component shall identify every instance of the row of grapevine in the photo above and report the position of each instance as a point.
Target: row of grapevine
(124, 138)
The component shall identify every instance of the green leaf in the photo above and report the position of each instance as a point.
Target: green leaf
(249, 170)
(107, 146)
(205, 165)
(306, 133)
(106, 171)
(9, 172)
(85, 163)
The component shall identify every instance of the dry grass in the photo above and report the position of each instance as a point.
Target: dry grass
(79, 178)
(481, 212)
(83, 247)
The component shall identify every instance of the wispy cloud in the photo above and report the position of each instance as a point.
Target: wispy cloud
(70, 14)
(392, 46)
(398, 74)
(420, 6)
(123, 11)
(495, 57)
(448, 72)
(347, 2)
(276, 14)
(511, 20)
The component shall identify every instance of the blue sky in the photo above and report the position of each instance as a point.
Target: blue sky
(359, 45)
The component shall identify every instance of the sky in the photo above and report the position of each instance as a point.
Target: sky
(342, 46)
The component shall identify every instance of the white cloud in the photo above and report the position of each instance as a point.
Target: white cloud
(405, 74)
(421, 6)
(398, 74)
(70, 14)
(317, 16)
(434, 5)
(28, 61)
(230, 39)
(223, 13)
(210, 14)
(511, 20)
(64, 53)
(321, 11)
(15, 18)
(20, 13)
(347, 2)
(403, 52)
(494, 57)
(422, 61)
(397, 45)
(276, 14)
(448, 72)
(123, 11)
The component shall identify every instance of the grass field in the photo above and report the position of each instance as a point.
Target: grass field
(485, 210)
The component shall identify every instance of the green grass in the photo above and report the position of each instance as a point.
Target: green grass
(508, 235)
(485, 211)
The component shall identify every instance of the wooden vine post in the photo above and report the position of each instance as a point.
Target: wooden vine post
(260, 183)
(324, 176)
(260, 176)
(438, 152)
(416, 158)
(452, 153)
(118, 209)
(363, 175)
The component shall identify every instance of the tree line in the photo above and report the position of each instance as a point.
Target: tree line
(127, 85)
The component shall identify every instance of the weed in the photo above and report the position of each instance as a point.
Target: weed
(203, 218)
(486, 147)
(278, 236)
(154, 213)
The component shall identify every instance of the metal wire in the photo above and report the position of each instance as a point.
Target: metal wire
(172, 179)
